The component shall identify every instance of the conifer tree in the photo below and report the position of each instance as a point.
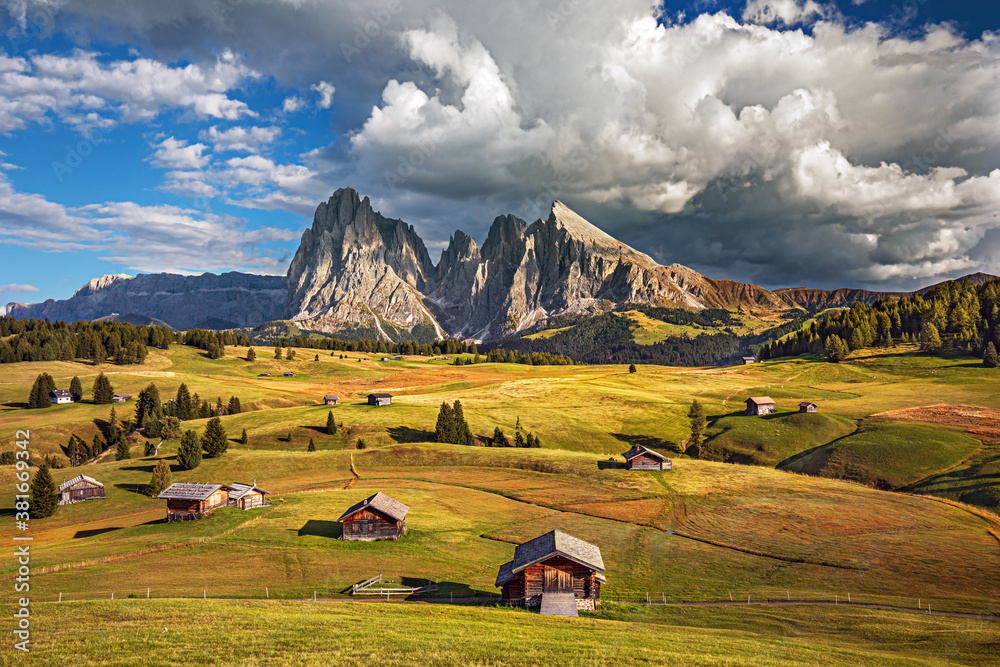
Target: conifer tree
(317, 358)
(696, 415)
(361, 444)
(519, 440)
(103, 391)
(183, 406)
(930, 339)
(277, 351)
(289, 354)
(122, 450)
(160, 479)
(331, 424)
(499, 439)
(631, 368)
(214, 440)
(234, 407)
(189, 452)
(43, 494)
(76, 389)
(445, 428)
(251, 355)
(990, 359)
(312, 446)
(462, 432)
(97, 446)
(39, 396)
(243, 438)
(149, 449)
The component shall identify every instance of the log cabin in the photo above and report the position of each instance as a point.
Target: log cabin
(749, 360)
(121, 398)
(80, 488)
(247, 496)
(377, 517)
(641, 457)
(330, 399)
(379, 399)
(186, 500)
(60, 396)
(555, 562)
(759, 406)
(806, 406)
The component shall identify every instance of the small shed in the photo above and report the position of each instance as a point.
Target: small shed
(289, 374)
(60, 396)
(641, 457)
(187, 500)
(80, 488)
(749, 360)
(553, 563)
(263, 375)
(330, 399)
(759, 406)
(377, 517)
(806, 406)
(247, 496)
(121, 398)
(398, 358)
(379, 399)
(385, 359)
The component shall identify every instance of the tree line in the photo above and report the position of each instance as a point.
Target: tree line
(41, 340)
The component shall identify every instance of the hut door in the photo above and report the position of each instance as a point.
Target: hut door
(558, 579)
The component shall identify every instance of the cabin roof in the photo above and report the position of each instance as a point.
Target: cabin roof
(381, 503)
(380, 395)
(191, 491)
(59, 393)
(760, 400)
(638, 450)
(125, 396)
(333, 396)
(78, 479)
(553, 543)
(806, 404)
(239, 490)
(750, 358)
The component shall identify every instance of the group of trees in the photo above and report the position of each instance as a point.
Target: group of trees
(41, 340)
(954, 317)
(214, 443)
(522, 438)
(191, 406)
(214, 342)
(448, 346)
(44, 384)
(452, 426)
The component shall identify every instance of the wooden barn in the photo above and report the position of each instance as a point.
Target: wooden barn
(554, 565)
(60, 396)
(186, 500)
(644, 458)
(806, 406)
(749, 360)
(80, 488)
(379, 399)
(330, 399)
(247, 496)
(759, 406)
(121, 398)
(377, 517)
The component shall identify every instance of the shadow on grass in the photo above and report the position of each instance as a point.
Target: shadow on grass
(95, 531)
(322, 528)
(15, 404)
(405, 434)
(648, 441)
(318, 429)
(134, 488)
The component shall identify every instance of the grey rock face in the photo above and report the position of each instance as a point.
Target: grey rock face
(181, 301)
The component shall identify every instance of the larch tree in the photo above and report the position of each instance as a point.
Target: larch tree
(214, 441)
(160, 479)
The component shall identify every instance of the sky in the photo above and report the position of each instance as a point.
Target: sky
(842, 143)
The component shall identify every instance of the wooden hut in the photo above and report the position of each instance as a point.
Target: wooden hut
(60, 396)
(186, 500)
(555, 564)
(330, 399)
(247, 496)
(759, 406)
(121, 398)
(806, 406)
(288, 374)
(80, 488)
(398, 358)
(644, 458)
(379, 399)
(749, 360)
(377, 517)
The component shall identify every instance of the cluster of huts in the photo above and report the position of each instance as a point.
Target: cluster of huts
(62, 396)
(191, 500)
(758, 406)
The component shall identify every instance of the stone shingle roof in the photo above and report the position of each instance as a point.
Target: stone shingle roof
(191, 491)
(380, 503)
(553, 543)
(78, 479)
(640, 449)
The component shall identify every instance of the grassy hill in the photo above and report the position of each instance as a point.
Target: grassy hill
(771, 439)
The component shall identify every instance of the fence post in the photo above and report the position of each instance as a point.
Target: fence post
(266, 593)
(112, 595)
(147, 592)
(60, 596)
(836, 599)
(787, 596)
(204, 594)
(314, 596)
(730, 596)
(848, 597)
(748, 600)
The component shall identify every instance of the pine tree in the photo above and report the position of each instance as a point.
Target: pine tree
(990, 359)
(361, 444)
(631, 368)
(277, 352)
(836, 348)
(189, 453)
(103, 391)
(151, 426)
(462, 431)
(312, 446)
(122, 451)
(76, 450)
(243, 438)
(214, 440)
(317, 358)
(930, 339)
(39, 396)
(43, 496)
(76, 389)
(519, 440)
(696, 415)
(251, 355)
(149, 449)
(499, 439)
(331, 424)
(289, 354)
(234, 407)
(445, 428)
(160, 480)
(97, 446)
(183, 406)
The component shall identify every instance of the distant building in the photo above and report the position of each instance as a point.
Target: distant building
(121, 398)
(186, 500)
(807, 407)
(379, 399)
(289, 374)
(60, 396)
(330, 399)
(644, 458)
(555, 565)
(759, 406)
(749, 360)
(247, 496)
(80, 488)
(386, 359)
(263, 375)
(398, 358)
(377, 517)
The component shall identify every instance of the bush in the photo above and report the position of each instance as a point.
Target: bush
(362, 444)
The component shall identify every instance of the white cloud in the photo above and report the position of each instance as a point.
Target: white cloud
(15, 288)
(173, 153)
(246, 139)
(325, 91)
(292, 104)
(787, 12)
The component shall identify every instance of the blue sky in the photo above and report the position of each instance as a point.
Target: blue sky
(782, 142)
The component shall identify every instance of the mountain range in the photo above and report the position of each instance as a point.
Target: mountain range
(358, 273)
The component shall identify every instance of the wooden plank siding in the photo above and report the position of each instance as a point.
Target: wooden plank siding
(181, 509)
(645, 462)
(371, 525)
(555, 574)
(82, 490)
